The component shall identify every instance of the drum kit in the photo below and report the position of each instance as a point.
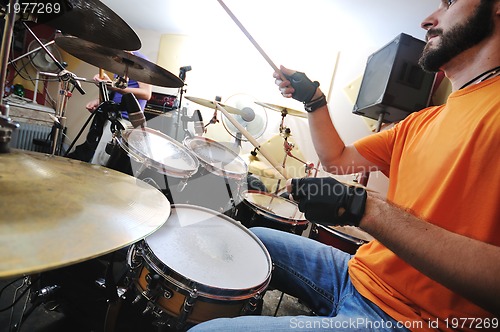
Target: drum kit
(181, 210)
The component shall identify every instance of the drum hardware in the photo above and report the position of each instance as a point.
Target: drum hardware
(182, 75)
(107, 110)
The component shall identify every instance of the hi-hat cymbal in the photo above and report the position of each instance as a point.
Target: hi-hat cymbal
(211, 104)
(119, 62)
(283, 110)
(58, 211)
(90, 20)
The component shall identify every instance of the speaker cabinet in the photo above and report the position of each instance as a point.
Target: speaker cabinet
(393, 83)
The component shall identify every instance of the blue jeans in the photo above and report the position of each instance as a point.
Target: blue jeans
(316, 274)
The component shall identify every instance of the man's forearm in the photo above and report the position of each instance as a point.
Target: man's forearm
(466, 266)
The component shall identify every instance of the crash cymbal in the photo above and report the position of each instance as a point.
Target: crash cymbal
(211, 104)
(283, 110)
(119, 62)
(90, 20)
(58, 211)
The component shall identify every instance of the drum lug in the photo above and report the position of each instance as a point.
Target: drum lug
(182, 184)
(252, 303)
(188, 305)
(149, 306)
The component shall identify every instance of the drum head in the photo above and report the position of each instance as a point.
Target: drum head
(217, 157)
(274, 205)
(159, 151)
(210, 249)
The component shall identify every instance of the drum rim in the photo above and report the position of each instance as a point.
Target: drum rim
(348, 237)
(211, 168)
(140, 157)
(187, 285)
(271, 215)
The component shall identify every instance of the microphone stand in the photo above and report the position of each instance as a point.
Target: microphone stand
(182, 113)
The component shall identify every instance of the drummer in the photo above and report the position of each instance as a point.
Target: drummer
(93, 150)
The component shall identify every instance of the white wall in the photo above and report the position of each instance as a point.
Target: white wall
(307, 36)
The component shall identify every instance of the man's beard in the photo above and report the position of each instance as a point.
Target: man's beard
(460, 38)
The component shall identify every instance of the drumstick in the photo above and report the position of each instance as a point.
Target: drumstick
(254, 142)
(252, 40)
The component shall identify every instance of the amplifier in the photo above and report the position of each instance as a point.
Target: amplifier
(162, 102)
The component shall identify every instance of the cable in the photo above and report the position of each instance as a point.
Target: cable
(20, 296)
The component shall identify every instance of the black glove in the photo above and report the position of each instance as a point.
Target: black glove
(303, 86)
(327, 201)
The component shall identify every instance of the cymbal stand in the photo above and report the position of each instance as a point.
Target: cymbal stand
(66, 88)
(182, 112)
(5, 121)
(286, 132)
(65, 78)
(108, 108)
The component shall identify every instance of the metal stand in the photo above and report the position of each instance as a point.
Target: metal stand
(65, 78)
(6, 124)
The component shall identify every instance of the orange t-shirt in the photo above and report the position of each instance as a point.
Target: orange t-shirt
(444, 165)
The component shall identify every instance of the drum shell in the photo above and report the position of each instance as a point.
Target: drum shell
(210, 301)
(347, 239)
(251, 215)
(220, 179)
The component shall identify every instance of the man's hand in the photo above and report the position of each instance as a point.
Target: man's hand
(327, 201)
(297, 85)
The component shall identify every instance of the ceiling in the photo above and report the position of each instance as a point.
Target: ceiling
(193, 16)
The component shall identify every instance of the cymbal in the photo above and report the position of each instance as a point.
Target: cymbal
(211, 104)
(118, 62)
(283, 110)
(261, 167)
(93, 21)
(59, 211)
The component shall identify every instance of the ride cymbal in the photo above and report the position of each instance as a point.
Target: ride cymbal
(90, 20)
(283, 110)
(120, 62)
(59, 211)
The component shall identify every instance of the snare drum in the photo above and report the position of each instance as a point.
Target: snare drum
(268, 210)
(200, 265)
(345, 238)
(220, 180)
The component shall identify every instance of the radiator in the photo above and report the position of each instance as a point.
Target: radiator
(28, 134)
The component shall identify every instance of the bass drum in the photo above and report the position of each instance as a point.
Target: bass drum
(268, 210)
(200, 265)
(345, 238)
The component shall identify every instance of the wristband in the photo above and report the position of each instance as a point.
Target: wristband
(315, 104)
